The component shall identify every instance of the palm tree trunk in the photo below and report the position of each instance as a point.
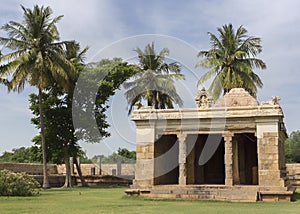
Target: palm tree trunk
(46, 184)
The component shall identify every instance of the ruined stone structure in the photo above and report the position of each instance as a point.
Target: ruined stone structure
(229, 150)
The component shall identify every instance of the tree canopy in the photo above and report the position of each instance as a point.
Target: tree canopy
(292, 148)
(123, 155)
(154, 83)
(232, 60)
(107, 75)
(31, 154)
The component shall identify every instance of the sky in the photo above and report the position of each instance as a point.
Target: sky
(109, 26)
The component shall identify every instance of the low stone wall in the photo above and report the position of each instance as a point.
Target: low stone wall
(32, 169)
(105, 180)
(54, 180)
(106, 169)
(87, 169)
(91, 172)
(293, 170)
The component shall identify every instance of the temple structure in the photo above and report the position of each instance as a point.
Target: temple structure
(229, 150)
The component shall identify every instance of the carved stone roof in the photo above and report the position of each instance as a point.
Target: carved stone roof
(236, 97)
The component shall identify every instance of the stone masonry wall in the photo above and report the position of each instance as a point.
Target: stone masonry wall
(268, 157)
(106, 169)
(293, 170)
(32, 169)
(37, 169)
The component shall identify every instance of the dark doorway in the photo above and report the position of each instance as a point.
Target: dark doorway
(247, 159)
(166, 151)
(213, 170)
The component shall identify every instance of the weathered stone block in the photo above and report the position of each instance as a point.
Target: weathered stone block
(145, 135)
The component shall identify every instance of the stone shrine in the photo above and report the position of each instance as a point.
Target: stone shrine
(229, 150)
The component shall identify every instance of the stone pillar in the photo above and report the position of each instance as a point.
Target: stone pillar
(144, 173)
(235, 149)
(182, 180)
(228, 159)
(100, 165)
(270, 153)
(119, 166)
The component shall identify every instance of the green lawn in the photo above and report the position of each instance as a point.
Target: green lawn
(112, 200)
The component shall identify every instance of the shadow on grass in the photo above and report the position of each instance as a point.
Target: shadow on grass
(296, 196)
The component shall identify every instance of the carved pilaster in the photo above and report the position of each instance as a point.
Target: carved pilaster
(228, 159)
(182, 159)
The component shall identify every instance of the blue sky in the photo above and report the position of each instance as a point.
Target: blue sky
(98, 24)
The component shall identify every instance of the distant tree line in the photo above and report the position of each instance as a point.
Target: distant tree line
(123, 155)
(33, 155)
(22, 155)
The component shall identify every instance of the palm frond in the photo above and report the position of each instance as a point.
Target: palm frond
(232, 57)
(154, 82)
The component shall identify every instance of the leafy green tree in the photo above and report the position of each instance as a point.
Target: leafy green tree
(59, 132)
(6, 157)
(232, 60)
(122, 154)
(22, 155)
(37, 57)
(154, 82)
(108, 75)
(126, 154)
(292, 148)
(57, 104)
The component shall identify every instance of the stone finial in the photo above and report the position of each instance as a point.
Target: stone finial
(138, 104)
(273, 101)
(203, 100)
(236, 97)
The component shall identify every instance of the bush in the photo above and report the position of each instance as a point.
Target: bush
(292, 148)
(17, 184)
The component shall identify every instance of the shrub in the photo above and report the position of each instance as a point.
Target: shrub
(292, 148)
(17, 184)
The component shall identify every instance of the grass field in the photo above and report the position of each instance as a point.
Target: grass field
(112, 200)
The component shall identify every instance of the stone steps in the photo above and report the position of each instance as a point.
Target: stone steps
(217, 192)
(248, 194)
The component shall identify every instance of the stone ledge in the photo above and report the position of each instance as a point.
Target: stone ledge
(277, 195)
(132, 192)
(137, 192)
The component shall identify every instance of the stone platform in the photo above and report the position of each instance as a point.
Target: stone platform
(216, 192)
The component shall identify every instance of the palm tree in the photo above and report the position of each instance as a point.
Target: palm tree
(76, 56)
(232, 60)
(155, 80)
(37, 57)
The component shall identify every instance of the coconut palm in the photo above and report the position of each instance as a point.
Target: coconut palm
(232, 60)
(37, 57)
(76, 56)
(154, 82)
